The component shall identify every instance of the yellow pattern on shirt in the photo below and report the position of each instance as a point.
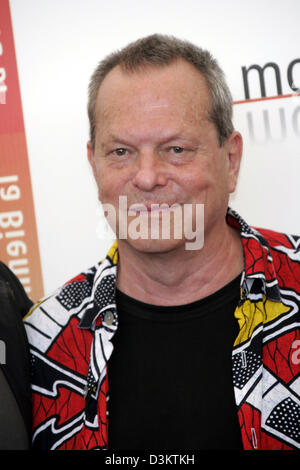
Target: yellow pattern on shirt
(251, 314)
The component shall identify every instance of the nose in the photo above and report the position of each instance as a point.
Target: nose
(149, 171)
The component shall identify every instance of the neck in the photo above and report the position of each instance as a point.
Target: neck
(179, 276)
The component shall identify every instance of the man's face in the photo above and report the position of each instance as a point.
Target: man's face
(155, 144)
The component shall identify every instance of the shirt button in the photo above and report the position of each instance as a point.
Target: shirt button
(109, 317)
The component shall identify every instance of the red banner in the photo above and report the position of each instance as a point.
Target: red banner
(19, 248)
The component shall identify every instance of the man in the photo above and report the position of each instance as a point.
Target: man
(161, 345)
(15, 403)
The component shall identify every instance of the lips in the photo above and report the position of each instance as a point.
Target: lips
(147, 207)
(153, 208)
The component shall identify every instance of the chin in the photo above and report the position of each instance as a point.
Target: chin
(156, 246)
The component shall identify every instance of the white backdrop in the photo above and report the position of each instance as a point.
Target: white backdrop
(58, 45)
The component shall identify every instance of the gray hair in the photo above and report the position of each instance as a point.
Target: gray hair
(161, 50)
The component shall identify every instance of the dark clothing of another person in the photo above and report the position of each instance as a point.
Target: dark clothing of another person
(15, 394)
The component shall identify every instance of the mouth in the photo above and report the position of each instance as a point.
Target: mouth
(152, 209)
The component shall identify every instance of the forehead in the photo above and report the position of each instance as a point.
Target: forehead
(176, 84)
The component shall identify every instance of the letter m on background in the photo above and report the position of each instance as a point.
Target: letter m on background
(261, 71)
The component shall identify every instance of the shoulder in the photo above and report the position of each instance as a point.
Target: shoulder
(275, 239)
(281, 243)
(284, 253)
(64, 307)
(12, 289)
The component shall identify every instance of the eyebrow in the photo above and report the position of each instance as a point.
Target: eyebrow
(114, 138)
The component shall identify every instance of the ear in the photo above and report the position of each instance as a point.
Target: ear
(90, 155)
(234, 150)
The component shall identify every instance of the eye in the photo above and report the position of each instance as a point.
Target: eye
(177, 149)
(120, 152)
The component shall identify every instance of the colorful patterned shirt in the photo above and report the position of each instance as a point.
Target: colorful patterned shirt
(70, 336)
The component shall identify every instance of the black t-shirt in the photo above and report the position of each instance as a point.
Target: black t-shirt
(170, 375)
